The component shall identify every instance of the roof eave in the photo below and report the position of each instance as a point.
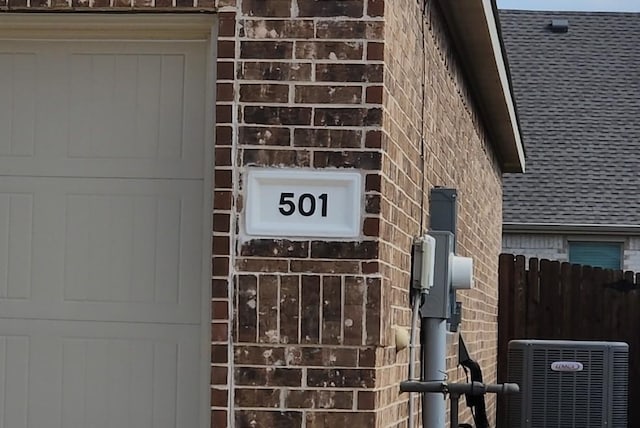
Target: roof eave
(476, 35)
(570, 228)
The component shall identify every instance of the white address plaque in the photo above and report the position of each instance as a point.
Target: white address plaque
(299, 202)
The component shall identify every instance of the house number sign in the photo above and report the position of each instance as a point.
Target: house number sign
(303, 203)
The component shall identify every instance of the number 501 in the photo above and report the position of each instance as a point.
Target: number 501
(306, 204)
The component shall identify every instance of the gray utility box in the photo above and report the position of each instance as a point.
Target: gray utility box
(568, 384)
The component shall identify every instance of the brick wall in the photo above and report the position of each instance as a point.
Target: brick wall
(307, 92)
(447, 134)
(301, 330)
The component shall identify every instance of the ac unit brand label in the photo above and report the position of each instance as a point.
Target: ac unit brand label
(567, 366)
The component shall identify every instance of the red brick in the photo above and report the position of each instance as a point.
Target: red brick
(375, 51)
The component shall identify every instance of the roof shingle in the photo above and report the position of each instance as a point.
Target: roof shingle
(578, 100)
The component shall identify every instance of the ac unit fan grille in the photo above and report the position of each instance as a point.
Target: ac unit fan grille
(571, 399)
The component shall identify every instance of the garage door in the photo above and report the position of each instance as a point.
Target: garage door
(101, 233)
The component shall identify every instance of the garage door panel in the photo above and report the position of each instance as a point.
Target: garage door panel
(101, 233)
(131, 377)
(106, 109)
(18, 105)
(16, 245)
(101, 248)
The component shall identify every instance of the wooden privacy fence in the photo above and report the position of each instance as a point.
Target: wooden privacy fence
(553, 300)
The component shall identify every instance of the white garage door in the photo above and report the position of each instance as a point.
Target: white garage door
(101, 233)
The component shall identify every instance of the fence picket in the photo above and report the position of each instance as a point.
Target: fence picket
(570, 302)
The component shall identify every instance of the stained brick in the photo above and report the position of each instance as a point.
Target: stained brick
(266, 50)
(344, 250)
(275, 248)
(268, 376)
(270, 8)
(276, 157)
(289, 308)
(341, 72)
(262, 265)
(277, 29)
(341, 378)
(348, 159)
(331, 310)
(277, 115)
(259, 355)
(247, 313)
(244, 397)
(266, 419)
(341, 29)
(329, 50)
(268, 309)
(317, 266)
(265, 136)
(280, 71)
(264, 93)
(348, 117)
(333, 138)
(318, 399)
(328, 94)
(310, 307)
(351, 8)
(372, 204)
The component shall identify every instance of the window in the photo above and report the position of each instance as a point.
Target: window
(607, 255)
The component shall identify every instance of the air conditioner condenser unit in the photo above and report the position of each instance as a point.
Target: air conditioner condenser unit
(568, 384)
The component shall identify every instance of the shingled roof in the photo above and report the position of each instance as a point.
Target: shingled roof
(578, 100)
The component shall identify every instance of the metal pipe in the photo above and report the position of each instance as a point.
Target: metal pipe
(412, 353)
(435, 357)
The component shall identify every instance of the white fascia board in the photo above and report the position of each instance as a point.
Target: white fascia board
(504, 78)
(571, 228)
(95, 26)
